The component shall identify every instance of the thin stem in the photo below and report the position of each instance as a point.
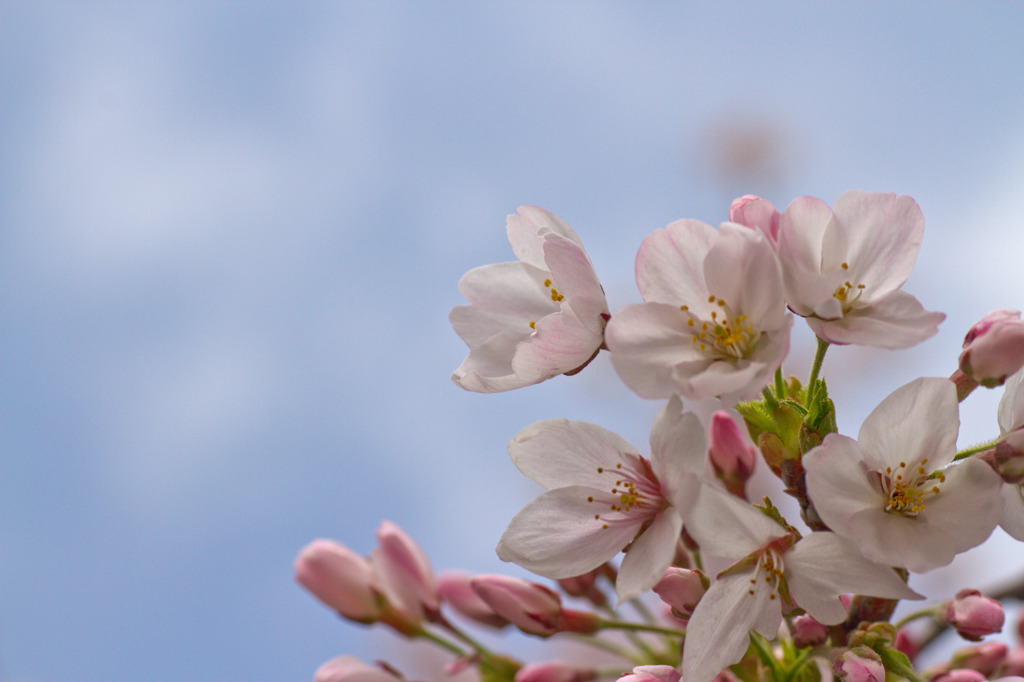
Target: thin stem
(916, 615)
(764, 652)
(443, 622)
(819, 357)
(641, 627)
(634, 637)
(442, 642)
(607, 646)
(976, 449)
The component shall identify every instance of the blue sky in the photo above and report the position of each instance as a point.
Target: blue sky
(230, 235)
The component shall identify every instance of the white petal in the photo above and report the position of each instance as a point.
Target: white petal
(719, 631)
(1010, 413)
(838, 482)
(895, 322)
(557, 536)
(559, 344)
(678, 445)
(742, 269)
(916, 421)
(823, 565)
(488, 367)
(670, 264)
(558, 453)
(801, 232)
(649, 555)
(573, 274)
(504, 297)
(1013, 510)
(726, 526)
(526, 233)
(882, 234)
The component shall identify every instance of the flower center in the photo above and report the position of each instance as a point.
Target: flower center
(556, 297)
(634, 491)
(769, 569)
(725, 335)
(848, 293)
(907, 490)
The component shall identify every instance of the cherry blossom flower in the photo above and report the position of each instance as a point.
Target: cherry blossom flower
(771, 568)
(714, 320)
(994, 348)
(602, 496)
(891, 492)
(843, 268)
(534, 319)
(1010, 416)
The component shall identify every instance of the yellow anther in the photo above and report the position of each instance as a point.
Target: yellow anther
(533, 324)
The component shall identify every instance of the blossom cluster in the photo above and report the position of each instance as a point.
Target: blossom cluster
(744, 592)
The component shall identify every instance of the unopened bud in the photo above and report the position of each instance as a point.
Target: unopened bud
(682, 588)
(757, 213)
(808, 632)
(985, 658)
(994, 348)
(906, 644)
(532, 608)
(731, 456)
(405, 573)
(859, 664)
(1013, 664)
(958, 675)
(973, 615)
(341, 579)
(455, 589)
(585, 587)
(553, 671)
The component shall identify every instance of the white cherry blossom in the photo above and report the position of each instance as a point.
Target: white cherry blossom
(771, 569)
(533, 319)
(843, 268)
(891, 491)
(714, 320)
(602, 496)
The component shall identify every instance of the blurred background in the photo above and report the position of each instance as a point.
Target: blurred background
(230, 236)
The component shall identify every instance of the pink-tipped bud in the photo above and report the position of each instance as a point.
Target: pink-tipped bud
(455, 589)
(341, 579)
(808, 632)
(994, 348)
(973, 615)
(652, 673)
(731, 455)
(530, 607)
(757, 213)
(585, 587)
(351, 669)
(985, 658)
(1013, 664)
(405, 573)
(859, 664)
(553, 671)
(958, 675)
(682, 588)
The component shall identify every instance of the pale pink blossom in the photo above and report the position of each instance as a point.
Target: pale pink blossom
(651, 673)
(533, 319)
(843, 268)
(892, 490)
(714, 320)
(602, 496)
(758, 213)
(351, 669)
(771, 569)
(341, 579)
(1010, 416)
(994, 348)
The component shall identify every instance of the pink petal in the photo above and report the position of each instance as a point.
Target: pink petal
(557, 536)
(670, 264)
(742, 269)
(896, 322)
(649, 555)
(557, 453)
(488, 367)
(574, 275)
(559, 344)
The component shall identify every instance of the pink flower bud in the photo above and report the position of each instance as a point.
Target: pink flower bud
(731, 456)
(405, 573)
(351, 669)
(682, 588)
(973, 615)
(341, 579)
(808, 632)
(652, 673)
(553, 671)
(455, 589)
(994, 348)
(859, 664)
(530, 607)
(958, 675)
(757, 213)
(907, 644)
(1013, 664)
(985, 658)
